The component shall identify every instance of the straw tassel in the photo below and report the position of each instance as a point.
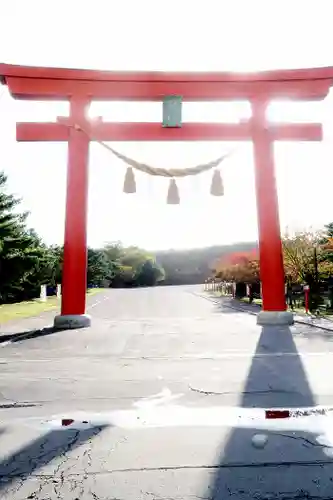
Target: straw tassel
(129, 181)
(216, 188)
(173, 194)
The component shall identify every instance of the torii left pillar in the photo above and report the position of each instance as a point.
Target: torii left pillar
(74, 274)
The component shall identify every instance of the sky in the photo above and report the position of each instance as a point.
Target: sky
(170, 36)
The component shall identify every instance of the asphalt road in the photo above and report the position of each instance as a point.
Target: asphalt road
(167, 392)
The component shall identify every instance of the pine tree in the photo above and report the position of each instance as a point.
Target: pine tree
(24, 260)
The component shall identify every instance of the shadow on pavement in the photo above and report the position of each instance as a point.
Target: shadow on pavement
(29, 334)
(41, 452)
(313, 327)
(7, 406)
(292, 465)
(313, 333)
(233, 306)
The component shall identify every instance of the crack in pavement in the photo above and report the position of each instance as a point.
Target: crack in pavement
(308, 441)
(263, 391)
(234, 465)
(18, 405)
(298, 495)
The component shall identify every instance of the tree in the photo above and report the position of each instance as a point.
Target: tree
(44, 266)
(56, 257)
(97, 268)
(124, 277)
(25, 261)
(19, 251)
(10, 222)
(308, 260)
(149, 274)
(114, 251)
(113, 254)
(305, 258)
(194, 265)
(127, 266)
(239, 267)
(326, 243)
(134, 257)
(328, 231)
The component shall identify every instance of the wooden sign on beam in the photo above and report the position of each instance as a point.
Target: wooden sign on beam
(172, 111)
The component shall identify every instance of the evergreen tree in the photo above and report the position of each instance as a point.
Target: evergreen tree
(149, 274)
(24, 260)
(98, 269)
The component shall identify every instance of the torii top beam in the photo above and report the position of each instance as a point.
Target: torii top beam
(27, 82)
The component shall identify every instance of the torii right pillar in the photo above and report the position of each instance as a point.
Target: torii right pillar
(270, 246)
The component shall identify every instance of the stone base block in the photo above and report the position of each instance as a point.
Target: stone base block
(72, 321)
(266, 318)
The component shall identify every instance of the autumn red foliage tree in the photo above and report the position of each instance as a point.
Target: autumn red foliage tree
(239, 266)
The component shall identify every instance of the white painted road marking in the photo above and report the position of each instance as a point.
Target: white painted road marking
(158, 410)
(162, 398)
(96, 303)
(168, 416)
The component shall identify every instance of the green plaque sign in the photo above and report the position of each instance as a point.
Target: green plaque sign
(172, 111)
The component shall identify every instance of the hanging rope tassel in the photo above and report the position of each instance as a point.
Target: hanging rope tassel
(173, 194)
(217, 188)
(129, 181)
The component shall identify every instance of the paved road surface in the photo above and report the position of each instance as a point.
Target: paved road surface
(167, 391)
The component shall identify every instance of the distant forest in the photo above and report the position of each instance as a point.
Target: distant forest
(193, 266)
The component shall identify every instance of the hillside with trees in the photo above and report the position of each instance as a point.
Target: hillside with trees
(193, 266)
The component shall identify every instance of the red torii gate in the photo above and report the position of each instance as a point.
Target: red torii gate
(80, 87)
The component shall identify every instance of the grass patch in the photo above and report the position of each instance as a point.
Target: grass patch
(259, 303)
(296, 310)
(31, 308)
(93, 291)
(27, 309)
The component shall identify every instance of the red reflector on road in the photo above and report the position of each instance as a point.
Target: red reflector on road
(277, 414)
(66, 421)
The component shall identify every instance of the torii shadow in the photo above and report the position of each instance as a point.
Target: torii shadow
(293, 464)
(30, 334)
(40, 452)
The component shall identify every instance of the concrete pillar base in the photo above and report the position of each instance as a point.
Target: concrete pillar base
(266, 318)
(72, 321)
